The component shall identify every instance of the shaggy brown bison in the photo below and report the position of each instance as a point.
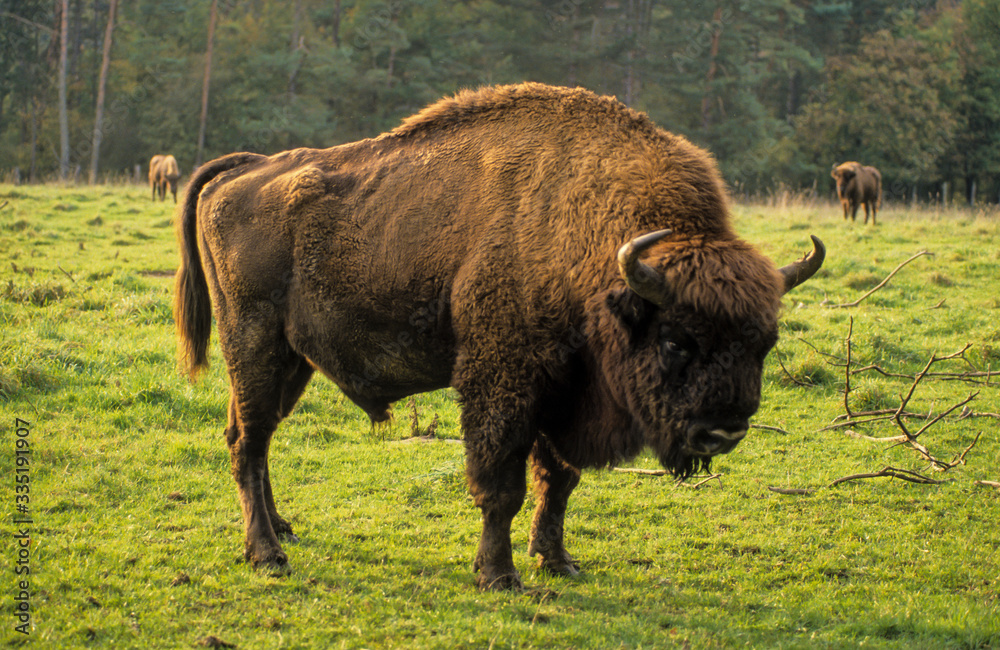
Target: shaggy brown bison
(568, 267)
(856, 185)
(163, 171)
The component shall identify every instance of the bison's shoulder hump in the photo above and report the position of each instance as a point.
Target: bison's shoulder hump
(530, 99)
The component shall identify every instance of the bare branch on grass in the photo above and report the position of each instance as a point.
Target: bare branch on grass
(781, 363)
(882, 283)
(992, 484)
(703, 481)
(900, 414)
(847, 370)
(662, 472)
(892, 472)
(769, 428)
(803, 491)
(66, 273)
(644, 472)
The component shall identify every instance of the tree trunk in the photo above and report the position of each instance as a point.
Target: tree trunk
(392, 65)
(204, 87)
(63, 110)
(336, 23)
(95, 153)
(294, 47)
(706, 100)
(630, 55)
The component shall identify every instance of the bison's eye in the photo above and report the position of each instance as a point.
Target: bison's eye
(675, 354)
(673, 348)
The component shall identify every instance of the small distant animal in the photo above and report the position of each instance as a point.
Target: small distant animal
(163, 171)
(858, 184)
(567, 266)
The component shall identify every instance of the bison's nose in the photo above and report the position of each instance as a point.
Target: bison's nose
(709, 439)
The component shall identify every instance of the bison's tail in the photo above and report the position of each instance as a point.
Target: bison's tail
(192, 302)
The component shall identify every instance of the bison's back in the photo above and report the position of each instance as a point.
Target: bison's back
(493, 214)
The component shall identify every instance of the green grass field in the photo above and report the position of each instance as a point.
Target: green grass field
(136, 534)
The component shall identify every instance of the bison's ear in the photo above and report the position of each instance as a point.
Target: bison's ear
(630, 309)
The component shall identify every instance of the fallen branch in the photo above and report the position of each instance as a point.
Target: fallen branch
(645, 472)
(663, 472)
(781, 363)
(859, 436)
(711, 477)
(992, 484)
(768, 428)
(891, 472)
(847, 370)
(66, 273)
(790, 490)
(882, 283)
(970, 376)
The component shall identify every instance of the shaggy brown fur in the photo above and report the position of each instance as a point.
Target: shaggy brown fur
(857, 185)
(163, 172)
(475, 246)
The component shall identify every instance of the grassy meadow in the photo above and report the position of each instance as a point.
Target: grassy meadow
(136, 534)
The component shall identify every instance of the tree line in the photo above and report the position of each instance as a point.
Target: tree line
(778, 90)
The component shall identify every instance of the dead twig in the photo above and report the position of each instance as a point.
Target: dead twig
(911, 437)
(703, 481)
(781, 363)
(645, 472)
(821, 352)
(847, 370)
(891, 472)
(992, 484)
(859, 436)
(969, 376)
(882, 283)
(769, 428)
(790, 490)
(66, 273)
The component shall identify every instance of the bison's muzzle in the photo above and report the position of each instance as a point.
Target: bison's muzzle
(709, 439)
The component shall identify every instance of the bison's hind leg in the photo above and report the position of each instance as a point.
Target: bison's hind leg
(554, 481)
(266, 379)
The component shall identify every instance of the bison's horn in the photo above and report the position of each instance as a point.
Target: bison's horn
(641, 278)
(798, 272)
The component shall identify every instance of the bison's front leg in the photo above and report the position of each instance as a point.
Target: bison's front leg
(495, 462)
(554, 481)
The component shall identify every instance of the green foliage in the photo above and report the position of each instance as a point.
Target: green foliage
(777, 90)
(137, 534)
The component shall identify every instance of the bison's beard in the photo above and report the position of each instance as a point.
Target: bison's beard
(670, 450)
(682, 465)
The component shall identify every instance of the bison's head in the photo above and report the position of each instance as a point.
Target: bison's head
(689, 336)
(843, 173)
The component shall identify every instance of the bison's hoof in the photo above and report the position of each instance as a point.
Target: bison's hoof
(565, 566)
(274, 563)
(487, 581)
(282, 528)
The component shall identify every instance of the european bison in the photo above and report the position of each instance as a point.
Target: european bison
(857, 184)
(163, 171)
(568, 267)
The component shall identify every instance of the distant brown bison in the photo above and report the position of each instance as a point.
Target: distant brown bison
(163, 171)
(568, 267)
(857, 184)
